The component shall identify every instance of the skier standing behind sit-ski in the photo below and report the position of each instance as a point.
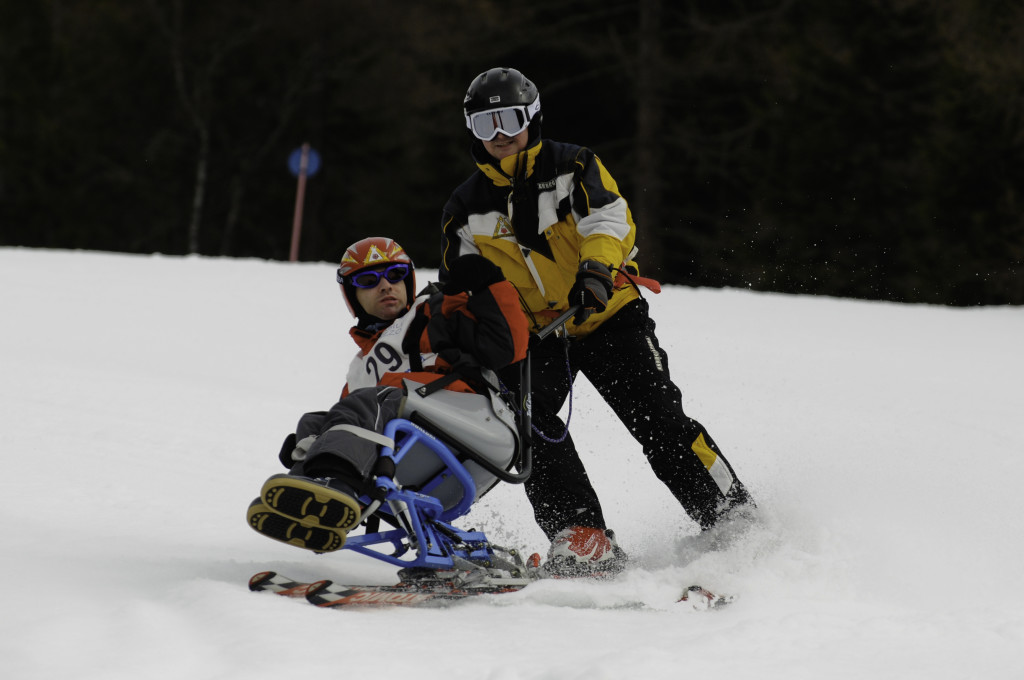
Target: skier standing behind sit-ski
(551, 216)
(470, 328)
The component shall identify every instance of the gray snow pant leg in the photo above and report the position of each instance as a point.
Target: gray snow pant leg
(370, 408)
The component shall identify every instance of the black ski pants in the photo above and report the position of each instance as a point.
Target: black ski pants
(625, 363)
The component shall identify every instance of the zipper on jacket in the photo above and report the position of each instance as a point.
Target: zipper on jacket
(525, 251)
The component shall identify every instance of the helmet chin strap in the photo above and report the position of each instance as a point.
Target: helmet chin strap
(534, 127)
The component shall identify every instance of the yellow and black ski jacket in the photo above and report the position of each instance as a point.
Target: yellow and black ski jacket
(538, 215)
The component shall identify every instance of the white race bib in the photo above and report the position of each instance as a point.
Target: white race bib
(386, 355)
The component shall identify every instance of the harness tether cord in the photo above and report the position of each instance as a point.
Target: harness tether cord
(505, 391)
(509, 397)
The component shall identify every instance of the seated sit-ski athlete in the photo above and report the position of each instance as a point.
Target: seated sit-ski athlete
(458, 335)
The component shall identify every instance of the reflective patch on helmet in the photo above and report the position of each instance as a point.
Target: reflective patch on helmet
(494, 99)
(375, 255)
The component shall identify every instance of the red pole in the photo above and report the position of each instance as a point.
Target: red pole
(300, 197)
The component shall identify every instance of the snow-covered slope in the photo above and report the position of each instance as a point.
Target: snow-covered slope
(144, 398)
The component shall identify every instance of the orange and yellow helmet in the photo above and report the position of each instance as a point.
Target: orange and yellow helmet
(370, 253)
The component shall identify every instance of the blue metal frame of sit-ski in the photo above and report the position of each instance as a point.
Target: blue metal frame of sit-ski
(425, 524)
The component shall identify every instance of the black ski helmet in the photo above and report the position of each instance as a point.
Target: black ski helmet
(501, 87)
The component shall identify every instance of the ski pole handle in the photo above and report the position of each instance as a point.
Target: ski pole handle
(558, 323)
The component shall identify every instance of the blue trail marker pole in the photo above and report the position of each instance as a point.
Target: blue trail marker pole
(304, 162)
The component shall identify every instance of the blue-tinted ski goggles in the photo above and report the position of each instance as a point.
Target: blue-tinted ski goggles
(509, 121)
(370, 278)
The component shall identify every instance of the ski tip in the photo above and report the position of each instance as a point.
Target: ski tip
(257, 581)
(702, 599)
(314, 589)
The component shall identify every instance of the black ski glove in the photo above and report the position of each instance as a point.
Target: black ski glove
(591, 291)
(471, 273)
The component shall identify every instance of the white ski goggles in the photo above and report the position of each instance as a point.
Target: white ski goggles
(509, 121)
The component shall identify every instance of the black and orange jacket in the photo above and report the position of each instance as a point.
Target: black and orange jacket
(441, 333)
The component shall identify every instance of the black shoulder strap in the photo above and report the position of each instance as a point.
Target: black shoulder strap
(411, 341)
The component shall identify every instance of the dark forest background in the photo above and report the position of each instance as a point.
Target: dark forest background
(858, 148)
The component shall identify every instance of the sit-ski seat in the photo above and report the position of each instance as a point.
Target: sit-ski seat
(475, 427)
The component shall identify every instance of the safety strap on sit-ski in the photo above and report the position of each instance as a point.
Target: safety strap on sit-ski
(434, 386)
(363, 433)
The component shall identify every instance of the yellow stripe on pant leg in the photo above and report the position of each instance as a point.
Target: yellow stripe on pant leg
(718, 470)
